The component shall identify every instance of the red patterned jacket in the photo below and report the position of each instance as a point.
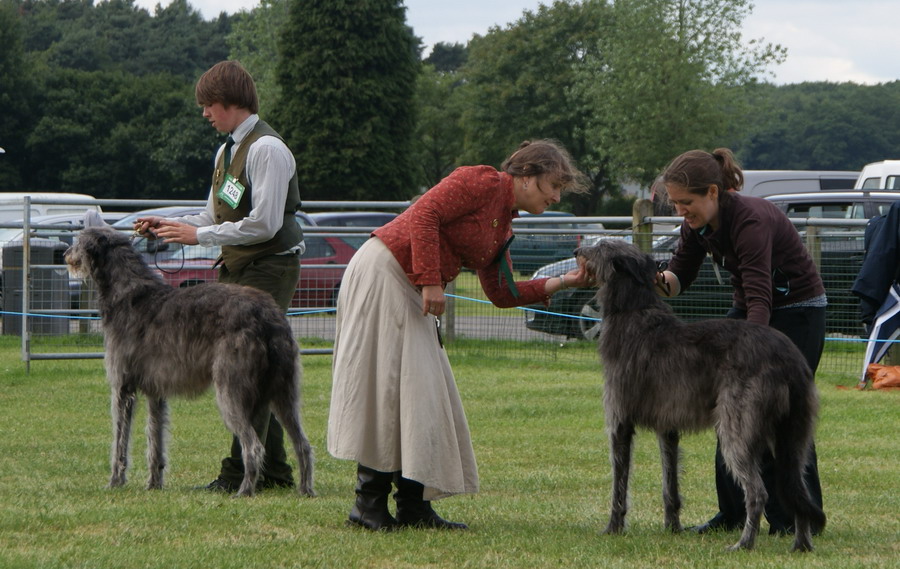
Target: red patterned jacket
(463, 221)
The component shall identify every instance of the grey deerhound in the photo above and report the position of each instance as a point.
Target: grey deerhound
(162, 341)
(746, 380)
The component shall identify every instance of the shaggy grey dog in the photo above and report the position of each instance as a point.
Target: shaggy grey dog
(747, 381)
(162, 341)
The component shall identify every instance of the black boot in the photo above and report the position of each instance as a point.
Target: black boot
(730, 496)
(413, 511)
(372, 490)
(717, 523)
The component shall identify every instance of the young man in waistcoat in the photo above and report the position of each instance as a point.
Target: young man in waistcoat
(250, 214)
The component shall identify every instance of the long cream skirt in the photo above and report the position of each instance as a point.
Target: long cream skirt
(394, 402)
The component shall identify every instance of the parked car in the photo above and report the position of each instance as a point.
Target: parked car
(12, 204)
(879, 175)
(763, 183)
(537, 244)
(322, 268)
(840, 259)
(319, 285)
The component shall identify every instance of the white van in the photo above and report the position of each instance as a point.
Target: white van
(762, 183)
(884, 175)
(12, 204)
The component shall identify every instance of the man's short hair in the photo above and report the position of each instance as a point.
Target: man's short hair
(228, 83)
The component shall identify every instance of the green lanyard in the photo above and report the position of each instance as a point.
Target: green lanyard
(505, 272)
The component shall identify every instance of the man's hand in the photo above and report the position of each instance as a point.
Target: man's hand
(176, 232)
(146, 226)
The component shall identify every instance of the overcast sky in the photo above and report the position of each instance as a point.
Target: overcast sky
(827, 40)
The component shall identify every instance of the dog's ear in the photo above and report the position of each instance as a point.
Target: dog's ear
(96, 242)
(93, 219)
(640, 269)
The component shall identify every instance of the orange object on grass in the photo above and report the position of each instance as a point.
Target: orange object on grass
(883, 377)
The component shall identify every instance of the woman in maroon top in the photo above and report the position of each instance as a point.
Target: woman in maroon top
(395, 409)
(775, 281)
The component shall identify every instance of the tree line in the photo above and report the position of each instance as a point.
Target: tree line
(97, 97)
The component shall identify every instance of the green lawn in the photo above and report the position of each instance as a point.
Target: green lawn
(538, 434)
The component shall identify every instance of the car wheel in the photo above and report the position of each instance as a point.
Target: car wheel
(591, 321)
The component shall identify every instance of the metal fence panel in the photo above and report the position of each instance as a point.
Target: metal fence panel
(63, 320)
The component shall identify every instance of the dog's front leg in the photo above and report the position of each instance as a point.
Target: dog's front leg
(621, 436)
(668, 451)
(123, 399)
(157, 421)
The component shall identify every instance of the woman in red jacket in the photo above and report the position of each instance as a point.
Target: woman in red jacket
(395, 409)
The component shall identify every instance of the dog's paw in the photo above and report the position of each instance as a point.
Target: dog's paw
(739, 546)
(802, 545)
(614, 529)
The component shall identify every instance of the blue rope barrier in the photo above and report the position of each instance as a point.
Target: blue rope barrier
(579, 317)
(73, 317)
(535, 310)
(38, 314)
(477, 300)
(302, 312)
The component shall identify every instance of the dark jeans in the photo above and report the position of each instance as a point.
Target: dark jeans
(806, 329)
(277, 275)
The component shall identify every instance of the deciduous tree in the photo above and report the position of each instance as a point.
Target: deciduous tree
(439, 135)
(820, 126)
(519, 86)
(668, 78)
(15, 94)
(253, 41)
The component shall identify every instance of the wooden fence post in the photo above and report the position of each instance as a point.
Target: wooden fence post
(642, 233)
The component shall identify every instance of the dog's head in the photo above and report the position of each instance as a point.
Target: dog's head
(609, 259)
(93, 245)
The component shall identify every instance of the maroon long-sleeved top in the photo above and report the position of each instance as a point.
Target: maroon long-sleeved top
(769, 265)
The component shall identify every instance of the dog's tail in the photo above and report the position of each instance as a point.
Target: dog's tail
(287, 371)
(793, 445)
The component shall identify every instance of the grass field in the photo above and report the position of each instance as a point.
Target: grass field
(538, 435)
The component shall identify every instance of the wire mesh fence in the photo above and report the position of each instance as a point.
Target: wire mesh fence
(61, 320)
